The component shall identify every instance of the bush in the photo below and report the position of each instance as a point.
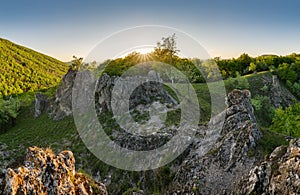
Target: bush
(287, 121)
(294, 88)
(237, 83)
(263, 109)
(8, 112)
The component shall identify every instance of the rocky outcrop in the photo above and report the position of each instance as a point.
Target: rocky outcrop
(231, 157)
(145, 93)
(41, 104)
(62, 105)
(45, 173)
(279, 174)
(278, 95)
(148, 90)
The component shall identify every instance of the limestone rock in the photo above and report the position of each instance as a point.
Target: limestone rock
(45, 173)
(62, 105)
(229, 159)
(145, 93)
(41, 104)
(148, 89)
(279, 174)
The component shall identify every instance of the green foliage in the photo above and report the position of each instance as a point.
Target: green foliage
(287, 67)
(131, 191)
(165, 52)
(263, 109)
(252, 67)
(269, 141)
(108, 122)
(287, 121)
(237, 83)
(163, 178)
(294, 88)
(257, 103)
(246, 64)
(8, 112)
(23, 69)
(290, 73)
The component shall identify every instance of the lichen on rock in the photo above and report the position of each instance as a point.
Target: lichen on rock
(45, 173)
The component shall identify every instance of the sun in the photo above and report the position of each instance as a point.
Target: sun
(144, 50)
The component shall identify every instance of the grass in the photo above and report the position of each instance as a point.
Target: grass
(41, 131)
(204, 94)
(269, 141)
(256, 82)
(46, 133)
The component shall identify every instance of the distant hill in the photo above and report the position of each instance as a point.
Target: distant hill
(23, 69)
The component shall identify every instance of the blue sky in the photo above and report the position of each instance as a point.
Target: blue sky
(224, 28)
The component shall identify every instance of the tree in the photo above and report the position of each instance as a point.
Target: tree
(287, 121)
(243, 62)
(252, 67)
(168, 46)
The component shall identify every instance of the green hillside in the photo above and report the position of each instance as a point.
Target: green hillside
(23, 69)
(62, 135)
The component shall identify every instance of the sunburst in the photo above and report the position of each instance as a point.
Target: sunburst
(144, 57)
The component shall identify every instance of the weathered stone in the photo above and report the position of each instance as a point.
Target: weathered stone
(148, 90)
(278, 95)
(45, 173)
(145, 93)
(229, 159)
(41, 104)
(279, 174)
(62, 105)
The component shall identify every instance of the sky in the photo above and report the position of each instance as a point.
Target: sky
(225, 28)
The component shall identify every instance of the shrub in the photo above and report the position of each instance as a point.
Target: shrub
(263, 109)
(287, 121)
(237, 83)
(8, 112)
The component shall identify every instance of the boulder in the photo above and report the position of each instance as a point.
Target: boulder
(45, 173)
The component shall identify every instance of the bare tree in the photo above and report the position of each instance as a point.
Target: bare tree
(168, 44)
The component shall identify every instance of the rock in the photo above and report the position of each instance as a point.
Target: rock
(41, 104)
(278, 95)
(104, 87)
(45, 173)
(279, 174)
(62, 105)
(229, 159)
(145, 93)
(148, 90)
